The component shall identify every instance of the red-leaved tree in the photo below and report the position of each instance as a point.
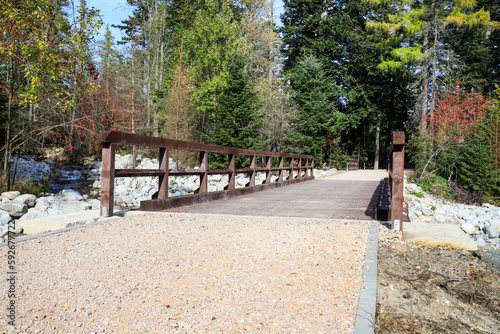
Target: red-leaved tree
(457, 112)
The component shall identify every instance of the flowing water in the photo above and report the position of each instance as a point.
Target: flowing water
(63, 176)
(69, 177)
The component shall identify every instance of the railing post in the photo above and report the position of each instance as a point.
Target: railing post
(252, 173)
(281, 176)
(397, 179)
(232, 174)
(300, 169)
(268, 173)
(290, 177)
(204, 176)
(108, 179)
(163, 182)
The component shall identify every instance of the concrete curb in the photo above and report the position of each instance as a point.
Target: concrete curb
(365, 315)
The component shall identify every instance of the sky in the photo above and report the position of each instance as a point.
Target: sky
(114, 11)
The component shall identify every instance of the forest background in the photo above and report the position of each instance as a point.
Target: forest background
(335, 80)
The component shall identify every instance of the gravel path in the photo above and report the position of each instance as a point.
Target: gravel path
(187, 273)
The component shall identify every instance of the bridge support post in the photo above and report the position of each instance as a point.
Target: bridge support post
(396, 178)
(163, 181)
(232, 174)
(203, 177)
(268, 172)
(252, 173)
(281, 175)
(108, 179)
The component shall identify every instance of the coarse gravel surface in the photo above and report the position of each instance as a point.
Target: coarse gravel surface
(190, 273)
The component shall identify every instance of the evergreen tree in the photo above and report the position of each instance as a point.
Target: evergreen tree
(415, 34)
(316, 116)
(477, 48)
(236, 119)
(476, 172)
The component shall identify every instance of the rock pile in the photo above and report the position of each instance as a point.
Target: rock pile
(480, 222)
(17, 206)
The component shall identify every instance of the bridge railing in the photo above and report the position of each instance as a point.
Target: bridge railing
(302, 164)
(396, 180)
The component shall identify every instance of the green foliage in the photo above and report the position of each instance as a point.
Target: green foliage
(336, 157)
(475, 168)
(210, 45)
(236, 120)
(316, 117)
(459, 159)
(424, 38)
(418, 194)
(25, 186)
(436, 185)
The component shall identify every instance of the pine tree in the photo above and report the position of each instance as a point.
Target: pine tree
(236, 119)
(316, 116)
(414, 35)
(476, 168)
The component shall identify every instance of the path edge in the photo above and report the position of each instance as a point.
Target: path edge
(367, 303)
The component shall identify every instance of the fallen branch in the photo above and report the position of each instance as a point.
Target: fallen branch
(474, 327)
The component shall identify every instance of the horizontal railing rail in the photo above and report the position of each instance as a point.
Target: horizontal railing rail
(302, 164)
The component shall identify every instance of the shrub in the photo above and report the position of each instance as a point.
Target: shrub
(436, 185)
(25, 186)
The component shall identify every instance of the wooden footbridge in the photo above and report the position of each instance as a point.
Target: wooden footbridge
(358, 194)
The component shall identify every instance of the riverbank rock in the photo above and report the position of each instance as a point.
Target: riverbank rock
(28, 199)
(69, 195)
(5, 218)
(10, 194)
(27, 168)
(480, 222)
(33, 213)
(14, 208)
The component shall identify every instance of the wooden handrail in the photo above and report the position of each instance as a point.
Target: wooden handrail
(161, 200)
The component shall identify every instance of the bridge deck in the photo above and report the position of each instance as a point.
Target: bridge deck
(350, 195)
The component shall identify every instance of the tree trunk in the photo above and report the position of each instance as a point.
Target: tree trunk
(434, 60)
(6, 163)
(134, 153)
(424, 98)
(377, 145)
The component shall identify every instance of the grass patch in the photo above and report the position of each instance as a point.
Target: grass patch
(25, 186)
(436, 185)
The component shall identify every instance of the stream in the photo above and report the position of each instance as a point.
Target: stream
(64, 176)
(69, 177)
